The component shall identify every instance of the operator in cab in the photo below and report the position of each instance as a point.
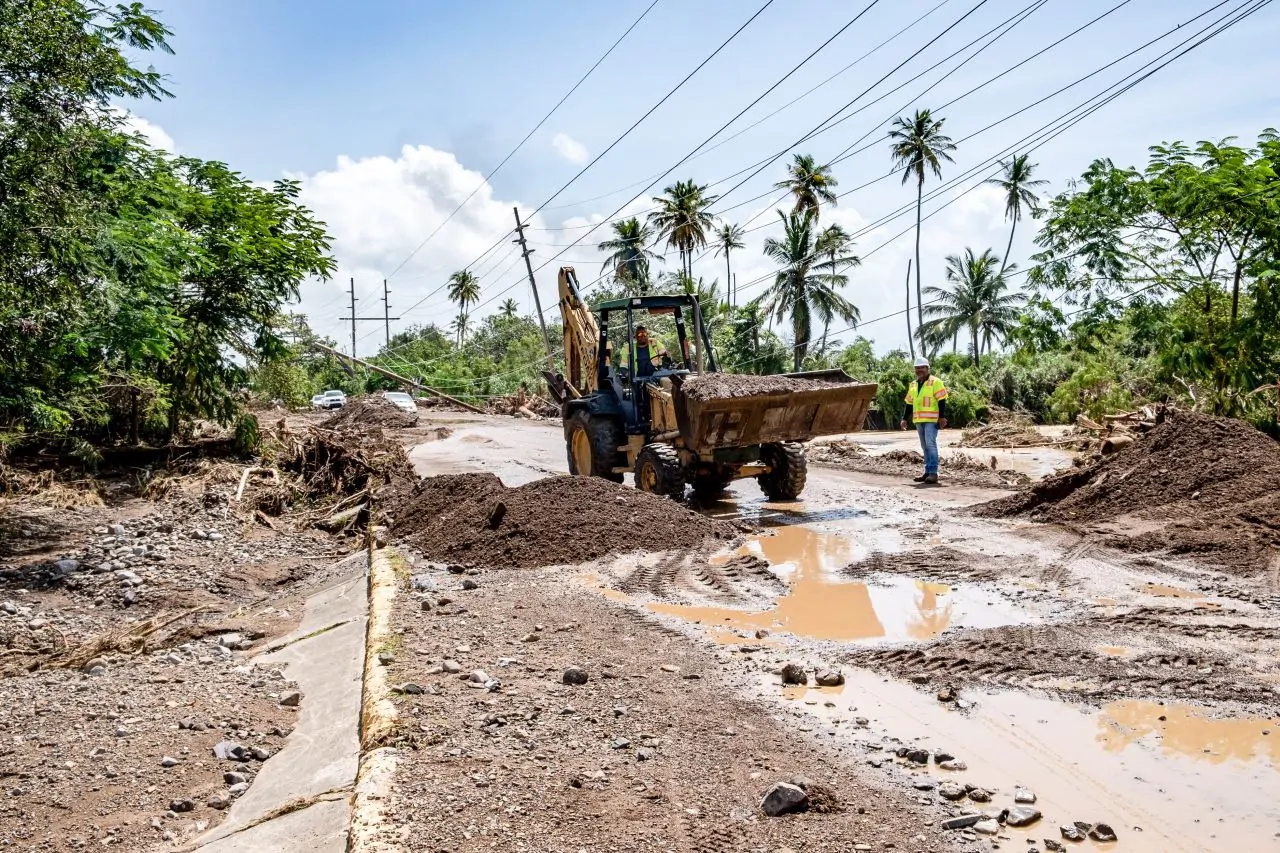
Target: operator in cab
(650, 354)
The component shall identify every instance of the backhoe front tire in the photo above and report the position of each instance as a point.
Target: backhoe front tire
(787, 473)
(658, 470)
(592, 444)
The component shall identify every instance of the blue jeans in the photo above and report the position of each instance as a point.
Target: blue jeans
(928, 431)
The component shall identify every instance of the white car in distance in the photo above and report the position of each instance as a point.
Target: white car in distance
(329, 400)
(400, 400)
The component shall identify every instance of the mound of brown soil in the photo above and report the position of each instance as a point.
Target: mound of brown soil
(711, 386)
(474, 519)
(372, 410)
(1199, 484)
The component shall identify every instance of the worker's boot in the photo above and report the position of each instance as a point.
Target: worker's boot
(919, 479)
(932, 479)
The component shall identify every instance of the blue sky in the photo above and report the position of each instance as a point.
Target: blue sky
(390, 112)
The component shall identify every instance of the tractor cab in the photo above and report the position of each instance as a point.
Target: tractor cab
(647, 345)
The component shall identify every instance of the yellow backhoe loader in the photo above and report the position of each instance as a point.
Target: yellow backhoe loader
(621, 416)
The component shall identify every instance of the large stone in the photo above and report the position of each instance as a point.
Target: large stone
(291, 699)
(951, 791)
(980, 795)
(1073, 832)
(1054, 846)
(964, 821)
(784, 798)
(1024, 796)
(793, 673)
(574, 675)
(987, 826)
(831, 677)
(1022, 816)
(1102, 832)
(229, 750)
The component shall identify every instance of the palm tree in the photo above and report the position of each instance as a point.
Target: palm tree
(508, 309)
(1017, 184)
(832, 246)
(798, 289)
(464, 289)
(979, 302)
(459, 326)
(682, 219)
(728, 237)
(918, 144)
(630, 254)
(810, 183)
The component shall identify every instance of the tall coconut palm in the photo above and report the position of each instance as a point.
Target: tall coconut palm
(464, 289)
(460, 326)
(832, 246)
(799, 290)
(682, 221)
(509, 308)
(979, 303)
(919, 145)
(630, 254)
(810, 183)
(727, 238)
(1017, 185)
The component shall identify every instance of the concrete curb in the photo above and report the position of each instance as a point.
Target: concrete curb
(378, 713)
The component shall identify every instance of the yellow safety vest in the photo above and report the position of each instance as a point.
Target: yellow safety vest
(924, 399)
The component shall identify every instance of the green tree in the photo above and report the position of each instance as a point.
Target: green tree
(811, 184)
(798, 290)
(463, 289)
(1017, 182)
(728, 238)
(630, 254)
(509, 308)
(918, 145)
(682, 221)
(979, 303)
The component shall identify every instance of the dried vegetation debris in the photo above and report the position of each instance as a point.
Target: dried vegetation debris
(1208, 483)
(475, 519)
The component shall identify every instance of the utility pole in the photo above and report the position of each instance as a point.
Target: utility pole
(911, 341)
(386, 317)
(537, 302)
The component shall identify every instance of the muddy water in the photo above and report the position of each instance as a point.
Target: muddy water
(1166, 777)
(820, 605)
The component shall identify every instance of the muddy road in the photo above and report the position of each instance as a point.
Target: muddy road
(1132, 690)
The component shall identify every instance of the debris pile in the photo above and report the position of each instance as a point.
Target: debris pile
(1003, 435)
(528, 406)
(1209, 483)
(370, 411)
(475, 519)
(714, 386)
(851, 456)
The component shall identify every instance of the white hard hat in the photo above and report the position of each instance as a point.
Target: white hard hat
(922, 362)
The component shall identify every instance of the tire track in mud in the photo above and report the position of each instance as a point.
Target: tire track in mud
(745, 579)
(1153, 619)
(1052, 658)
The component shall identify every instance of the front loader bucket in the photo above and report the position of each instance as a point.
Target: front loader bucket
(726, 422)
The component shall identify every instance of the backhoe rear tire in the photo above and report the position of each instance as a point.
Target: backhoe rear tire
(658, 470)
(787, 473)
(592, 444)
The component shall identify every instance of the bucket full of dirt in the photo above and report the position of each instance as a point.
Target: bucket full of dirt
(473, 519)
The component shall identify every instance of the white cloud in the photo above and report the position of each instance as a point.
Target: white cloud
(378, 210)
(153, 133)
(569, 148)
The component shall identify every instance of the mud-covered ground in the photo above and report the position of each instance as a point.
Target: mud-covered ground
(1134, 689)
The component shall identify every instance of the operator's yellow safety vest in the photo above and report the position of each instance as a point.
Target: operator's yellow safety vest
(924, 399)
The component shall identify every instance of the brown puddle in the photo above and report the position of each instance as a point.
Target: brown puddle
(1114, 651)
(1152, 780)
(1164, 591)
(1187, 730)
(821, 605)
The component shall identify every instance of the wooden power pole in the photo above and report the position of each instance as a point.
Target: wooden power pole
(537, 301)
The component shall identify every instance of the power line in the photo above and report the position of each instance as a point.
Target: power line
(485, 180)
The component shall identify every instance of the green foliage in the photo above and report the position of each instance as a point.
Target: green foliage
(247, 435)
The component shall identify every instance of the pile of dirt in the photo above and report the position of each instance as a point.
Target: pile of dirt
(1003, 435)
(370, 411)
(475, 519)
(1193, 484)
(714, 386)
(955, 467)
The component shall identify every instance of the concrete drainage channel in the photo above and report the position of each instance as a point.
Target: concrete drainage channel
(324, 791)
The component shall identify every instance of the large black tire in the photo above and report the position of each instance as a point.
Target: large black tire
(658, 470)
(787, 471)
(598, 439)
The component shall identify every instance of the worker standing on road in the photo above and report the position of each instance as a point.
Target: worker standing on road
(647, 353)
(927, 409)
